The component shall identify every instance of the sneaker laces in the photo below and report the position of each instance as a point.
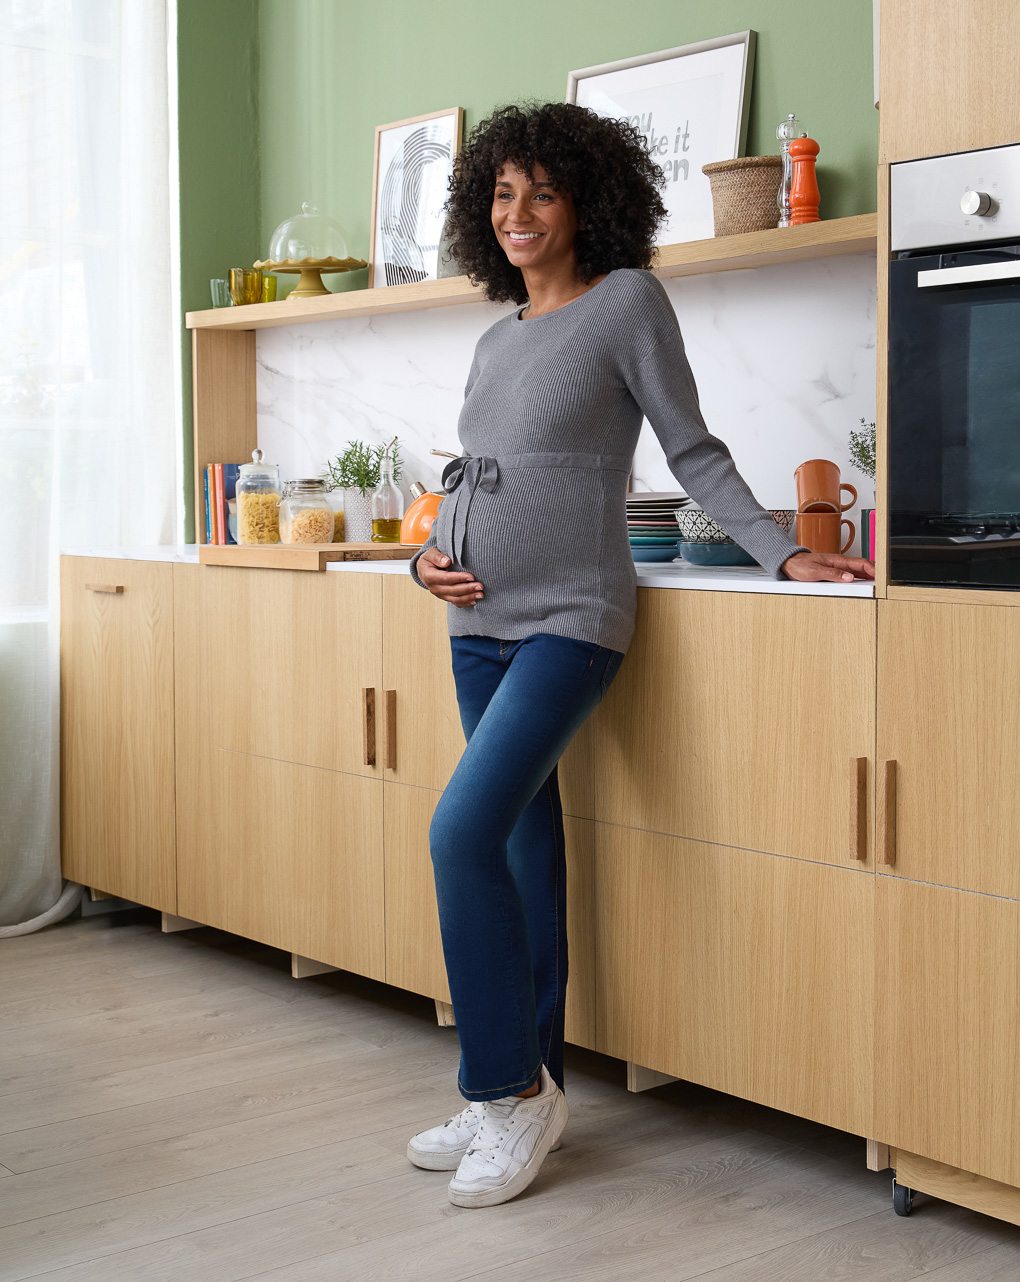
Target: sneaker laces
(466, 1115)
(487, 1137)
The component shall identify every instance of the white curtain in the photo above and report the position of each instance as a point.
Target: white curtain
(90, 442)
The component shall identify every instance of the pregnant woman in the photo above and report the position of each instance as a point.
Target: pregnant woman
(555, 209)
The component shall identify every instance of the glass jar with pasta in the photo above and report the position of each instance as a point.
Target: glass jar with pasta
(258, 501)
(306, 515)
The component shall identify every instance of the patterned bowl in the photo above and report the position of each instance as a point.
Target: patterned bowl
(696, 526)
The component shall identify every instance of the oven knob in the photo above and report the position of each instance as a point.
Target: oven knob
(976, 202)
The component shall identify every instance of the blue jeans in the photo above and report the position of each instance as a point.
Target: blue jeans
(498, 857)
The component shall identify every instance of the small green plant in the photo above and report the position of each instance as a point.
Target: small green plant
(358, 466)
(862, 448)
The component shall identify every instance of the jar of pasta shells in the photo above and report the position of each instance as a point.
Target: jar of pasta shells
(306, 514)
(258, 501)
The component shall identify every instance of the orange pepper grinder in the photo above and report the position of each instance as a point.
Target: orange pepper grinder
(804, 193)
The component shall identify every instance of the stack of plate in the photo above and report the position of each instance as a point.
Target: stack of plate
(652, 524)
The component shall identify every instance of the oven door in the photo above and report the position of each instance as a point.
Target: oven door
(954, 417)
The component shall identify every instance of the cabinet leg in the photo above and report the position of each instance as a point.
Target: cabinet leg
(444, 1015)
(640, 1078)
(172, 923)
(304, 967)
(878, 1156)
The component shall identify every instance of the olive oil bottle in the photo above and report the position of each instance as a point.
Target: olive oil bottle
(387, 502)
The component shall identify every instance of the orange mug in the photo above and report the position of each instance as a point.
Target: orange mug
(819, 488)
(821, 531)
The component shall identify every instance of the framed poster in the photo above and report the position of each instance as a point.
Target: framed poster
(691, 106)
(413, 163)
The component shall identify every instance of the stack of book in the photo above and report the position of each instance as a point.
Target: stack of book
(220, 497)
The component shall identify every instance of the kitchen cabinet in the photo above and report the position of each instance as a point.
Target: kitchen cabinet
(279, 797)
(414, 952)
(287, 854)
(117, 728)
(739, 970)
(949, 721)
(947, 1066)
(949, 78)
(741, 718)
(277, 664)
(422, 728)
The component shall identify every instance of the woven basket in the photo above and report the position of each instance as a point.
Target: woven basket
(744, 193)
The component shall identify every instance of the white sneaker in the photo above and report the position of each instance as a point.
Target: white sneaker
(442, 1147)
(509, 1146)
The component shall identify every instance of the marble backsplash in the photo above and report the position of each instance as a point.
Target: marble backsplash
(783, 356)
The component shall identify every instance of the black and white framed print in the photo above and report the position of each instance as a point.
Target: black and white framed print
(691, 105)
(413, 163)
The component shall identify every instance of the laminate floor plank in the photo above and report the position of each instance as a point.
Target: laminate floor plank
(884, 1248)
(258, 1096)
(251, 1022)
(999, 1264)
(50, 1190)
(27, 1109)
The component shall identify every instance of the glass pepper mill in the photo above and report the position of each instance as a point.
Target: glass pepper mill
(790, 128)
(387, 502)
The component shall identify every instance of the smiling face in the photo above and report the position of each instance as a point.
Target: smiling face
(534, 223)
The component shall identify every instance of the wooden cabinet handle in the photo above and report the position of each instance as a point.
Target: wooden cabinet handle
(368, 723)
(887, 812)
(390, 697)
(104, 587)
(858, 807)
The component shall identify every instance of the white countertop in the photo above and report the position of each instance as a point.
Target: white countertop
(668, 574)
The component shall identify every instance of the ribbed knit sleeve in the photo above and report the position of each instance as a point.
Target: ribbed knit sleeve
(661, 381)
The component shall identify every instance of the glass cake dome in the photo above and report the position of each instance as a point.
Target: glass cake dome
(308, 235)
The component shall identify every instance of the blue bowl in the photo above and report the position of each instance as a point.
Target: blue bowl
(715, 554)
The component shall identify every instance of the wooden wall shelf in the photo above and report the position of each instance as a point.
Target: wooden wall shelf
(855, 235)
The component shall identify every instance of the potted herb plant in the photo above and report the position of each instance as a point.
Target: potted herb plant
(862, 456)
(356, 472)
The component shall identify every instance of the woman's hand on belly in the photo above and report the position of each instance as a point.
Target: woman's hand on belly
(456, 586)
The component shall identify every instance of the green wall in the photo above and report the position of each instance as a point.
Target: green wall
(218, 137)
(331, 70)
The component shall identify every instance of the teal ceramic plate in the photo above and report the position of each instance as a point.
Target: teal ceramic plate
(655, 554)
(652, 540)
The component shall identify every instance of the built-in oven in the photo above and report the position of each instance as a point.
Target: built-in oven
(954, 370)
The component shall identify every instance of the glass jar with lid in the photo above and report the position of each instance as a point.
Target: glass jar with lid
(335, 495)
(258, 501)
(306, 514)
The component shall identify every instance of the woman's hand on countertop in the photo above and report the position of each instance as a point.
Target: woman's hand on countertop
(456, 586)
(813, 567)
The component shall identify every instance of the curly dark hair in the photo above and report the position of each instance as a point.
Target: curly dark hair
(604, 165)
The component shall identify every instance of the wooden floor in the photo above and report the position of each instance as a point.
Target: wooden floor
(178, 1109)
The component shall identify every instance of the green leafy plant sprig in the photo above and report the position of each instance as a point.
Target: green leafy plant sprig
(862, 448)
(359, 465)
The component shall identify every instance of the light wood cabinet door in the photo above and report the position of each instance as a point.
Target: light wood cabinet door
(420, 724)
(745, 972)
(949, 716)
(278, 662)
(117, 727)
(414, 951)
(949, 77)
(947, 1067)
(289, 855)
(737, 718)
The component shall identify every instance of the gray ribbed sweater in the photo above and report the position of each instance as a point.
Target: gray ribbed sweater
(536, 507)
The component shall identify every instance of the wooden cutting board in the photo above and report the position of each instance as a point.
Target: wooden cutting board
(300, 556)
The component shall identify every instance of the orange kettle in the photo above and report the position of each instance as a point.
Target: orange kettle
(418, 518)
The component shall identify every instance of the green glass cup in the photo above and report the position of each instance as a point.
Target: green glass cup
(219, 290)
(268, 287)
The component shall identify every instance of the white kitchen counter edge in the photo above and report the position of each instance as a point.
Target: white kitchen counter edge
(670, 574)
